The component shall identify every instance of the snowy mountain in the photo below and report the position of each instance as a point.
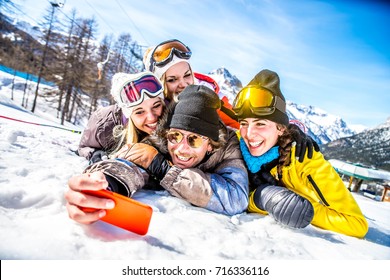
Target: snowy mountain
(229, 84)
(383, 125)
(32, 30)
(370, 147)
(320, 125)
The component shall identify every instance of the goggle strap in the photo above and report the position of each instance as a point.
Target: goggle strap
(280, 104)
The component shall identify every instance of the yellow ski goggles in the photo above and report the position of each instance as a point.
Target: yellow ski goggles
(259, 100)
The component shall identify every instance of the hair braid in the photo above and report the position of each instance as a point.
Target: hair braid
(285, 144)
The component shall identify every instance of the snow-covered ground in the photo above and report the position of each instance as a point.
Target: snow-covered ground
(36, 162)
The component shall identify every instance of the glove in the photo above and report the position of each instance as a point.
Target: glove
(150, 159)
(122, 176)
(97, 156)
(159, 167)
(142, 154)
(304, 142)
(285, 206)
(262, 177)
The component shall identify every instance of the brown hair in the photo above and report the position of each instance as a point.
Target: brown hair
(285, 142)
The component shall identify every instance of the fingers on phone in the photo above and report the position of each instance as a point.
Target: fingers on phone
(84, 215)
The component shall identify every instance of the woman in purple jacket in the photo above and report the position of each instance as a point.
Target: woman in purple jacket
(139, 105)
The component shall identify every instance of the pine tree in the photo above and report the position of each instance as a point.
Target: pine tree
(50, 20)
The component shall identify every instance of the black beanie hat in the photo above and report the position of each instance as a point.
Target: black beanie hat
(267, 80)
(196, 111)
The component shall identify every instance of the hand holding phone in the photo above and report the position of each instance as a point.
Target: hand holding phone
(128, 213)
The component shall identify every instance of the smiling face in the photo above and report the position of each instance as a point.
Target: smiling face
(259, 135)
(182, 154)
(146, 115)
(177, 78)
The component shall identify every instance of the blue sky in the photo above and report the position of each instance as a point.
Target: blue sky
(334, 55)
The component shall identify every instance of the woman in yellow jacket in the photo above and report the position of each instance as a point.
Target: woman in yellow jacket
(295, 193)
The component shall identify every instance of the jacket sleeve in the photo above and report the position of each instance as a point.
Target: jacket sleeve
(98, 133)
(334, 206)
(222, 188)
(123, 176)
(226, 114)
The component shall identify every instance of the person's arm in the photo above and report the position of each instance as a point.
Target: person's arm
(222, 188)
(305, 145)
(224, 191)
(119, 176)
(97, 137)
(77, 201)
(283, 205)
(334, 206)
(148, 158)
(227, 115)
(220, 185)
(123, 176)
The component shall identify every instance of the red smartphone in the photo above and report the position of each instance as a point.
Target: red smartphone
(128, 213)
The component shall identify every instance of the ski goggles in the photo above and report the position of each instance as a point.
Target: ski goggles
(133, 92)
(260, 101)
(163, 53)
(193, 140)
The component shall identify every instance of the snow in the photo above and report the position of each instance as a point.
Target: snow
(36, 162)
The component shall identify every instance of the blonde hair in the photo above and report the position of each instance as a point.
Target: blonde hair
(124, 135)
(168, 96)
(127, 134)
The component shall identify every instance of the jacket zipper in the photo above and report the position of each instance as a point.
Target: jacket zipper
(317, 190)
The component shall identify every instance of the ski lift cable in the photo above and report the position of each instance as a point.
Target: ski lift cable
(124, 11)
(61, 4)
(33, 19)
(74, 22)
(100, 16)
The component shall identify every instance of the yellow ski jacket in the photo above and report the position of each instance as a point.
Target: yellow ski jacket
(315, 179)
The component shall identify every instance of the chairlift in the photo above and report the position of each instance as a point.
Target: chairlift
(101, 64)
(58, 3)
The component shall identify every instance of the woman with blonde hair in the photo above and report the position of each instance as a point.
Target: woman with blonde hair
(139, 105)
(170, 62)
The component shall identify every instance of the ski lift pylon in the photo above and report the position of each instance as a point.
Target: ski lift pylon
(100, 65)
